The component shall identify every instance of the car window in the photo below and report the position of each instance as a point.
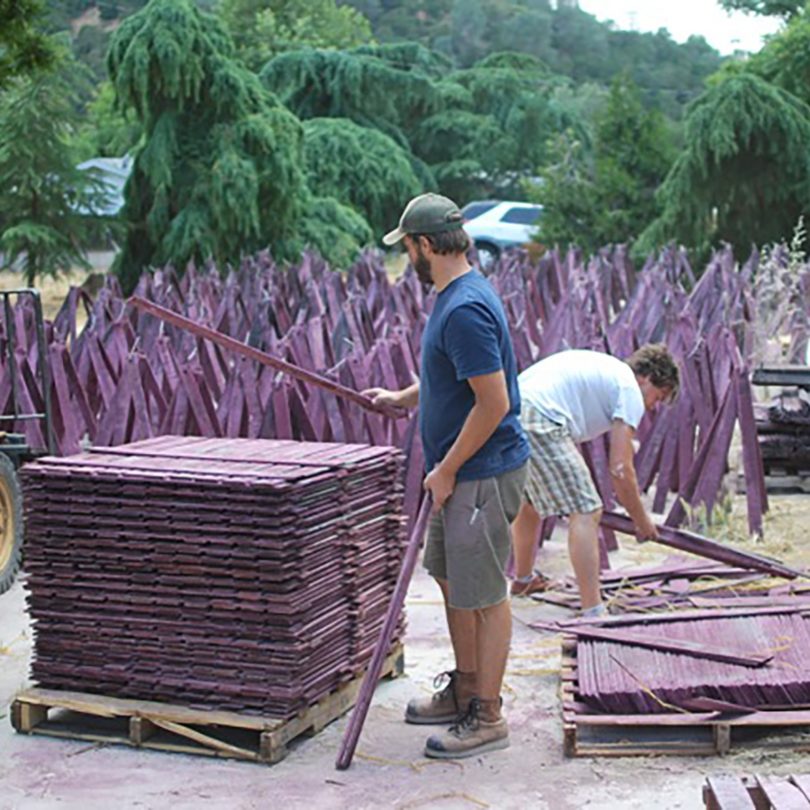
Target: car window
(522, 216)
(475, 209)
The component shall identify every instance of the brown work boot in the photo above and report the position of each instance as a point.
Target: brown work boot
(481, 730)
(447, 704)
(537, 584)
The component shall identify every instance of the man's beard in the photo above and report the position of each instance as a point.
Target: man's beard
(422, 267)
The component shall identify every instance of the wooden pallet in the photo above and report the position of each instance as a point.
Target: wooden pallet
(167, 727)
(589, 734)
(727, 792)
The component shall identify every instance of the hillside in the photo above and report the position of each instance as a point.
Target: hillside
(565, 38)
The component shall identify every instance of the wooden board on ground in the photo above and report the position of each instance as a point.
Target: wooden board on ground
(167, 727)
(587, 733)
(730, 792)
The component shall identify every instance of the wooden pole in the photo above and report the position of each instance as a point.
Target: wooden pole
(265, 359)
(352, 733)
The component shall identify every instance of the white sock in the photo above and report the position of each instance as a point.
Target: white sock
(594, 612)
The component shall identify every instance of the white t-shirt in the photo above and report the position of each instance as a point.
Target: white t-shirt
(584, 390)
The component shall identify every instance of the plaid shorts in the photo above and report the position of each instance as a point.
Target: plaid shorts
(559, 481)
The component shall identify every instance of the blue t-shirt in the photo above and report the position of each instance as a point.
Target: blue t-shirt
(467, 336)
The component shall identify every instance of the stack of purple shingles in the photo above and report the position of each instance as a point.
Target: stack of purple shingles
(621, 678)
(248, 575)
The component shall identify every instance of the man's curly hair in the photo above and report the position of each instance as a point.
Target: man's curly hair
(654, 362)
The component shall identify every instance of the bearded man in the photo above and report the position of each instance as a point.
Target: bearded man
(476, 463)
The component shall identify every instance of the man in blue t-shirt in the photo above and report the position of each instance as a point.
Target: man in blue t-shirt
(476, 454)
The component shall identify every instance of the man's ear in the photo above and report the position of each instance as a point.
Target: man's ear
(426, 246)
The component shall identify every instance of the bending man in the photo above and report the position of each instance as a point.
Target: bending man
(569, 398)
(475, 458)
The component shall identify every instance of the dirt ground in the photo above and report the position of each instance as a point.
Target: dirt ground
(389, 771)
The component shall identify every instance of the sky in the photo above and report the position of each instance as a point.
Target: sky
(724, 31)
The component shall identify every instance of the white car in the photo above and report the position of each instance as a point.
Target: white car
(494, 225)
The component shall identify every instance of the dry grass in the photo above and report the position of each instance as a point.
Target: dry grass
(52, 290)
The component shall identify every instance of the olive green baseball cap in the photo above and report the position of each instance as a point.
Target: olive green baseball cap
(427, 213)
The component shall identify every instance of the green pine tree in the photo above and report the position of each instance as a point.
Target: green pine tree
(598, 194)
(24, 47)
(262, 29)
(360, 166)
(219, 171)
(46, 213)
(744, 174)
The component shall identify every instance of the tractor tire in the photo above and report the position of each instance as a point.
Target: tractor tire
(11, 524)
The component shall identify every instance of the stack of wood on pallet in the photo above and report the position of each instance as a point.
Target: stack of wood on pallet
(231, 574)
(685, 682)
(757, 792)
(783, 428)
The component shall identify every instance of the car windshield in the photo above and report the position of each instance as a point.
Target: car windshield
(475, 209)
(524, 215)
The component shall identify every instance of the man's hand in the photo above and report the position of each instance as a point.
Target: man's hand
(440, 484)
(645, 529)
(382, 396)
(406, 398)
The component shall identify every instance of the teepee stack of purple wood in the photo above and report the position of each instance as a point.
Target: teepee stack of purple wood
(120, 375)
(239, 574)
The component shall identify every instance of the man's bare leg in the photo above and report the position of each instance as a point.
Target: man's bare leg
(493, 636)
(462, 626)
(583, 547)
(524, 538)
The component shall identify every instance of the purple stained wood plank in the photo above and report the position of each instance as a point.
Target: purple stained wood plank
(229, 343)
(702, 546)
(728, 793)
(782, 794)
(713, 452)
(756, 494)
(372, 676)
(695, 649)
(802, 781)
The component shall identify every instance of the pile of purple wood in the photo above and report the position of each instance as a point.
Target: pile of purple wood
(680, 582)
(238, 574)
(783, 426)
(766, 664)
(120, 375)
(737, 660)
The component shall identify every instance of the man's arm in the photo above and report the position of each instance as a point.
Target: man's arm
(625, 484)
(406, 398)
(491, 405)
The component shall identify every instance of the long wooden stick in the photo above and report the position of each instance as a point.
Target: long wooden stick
(265, 359)
(355, 726)
(695, 649)
(703, 547)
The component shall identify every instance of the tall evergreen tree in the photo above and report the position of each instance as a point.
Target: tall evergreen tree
(46, 215)
(261, 29)
(360, 84)
(744, 174)
(785, 59)
(361, 166)
(24, 47)
(219, 171)
(605, 194)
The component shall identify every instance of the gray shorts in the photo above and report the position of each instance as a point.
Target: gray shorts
(559, 481)
(469, 541)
